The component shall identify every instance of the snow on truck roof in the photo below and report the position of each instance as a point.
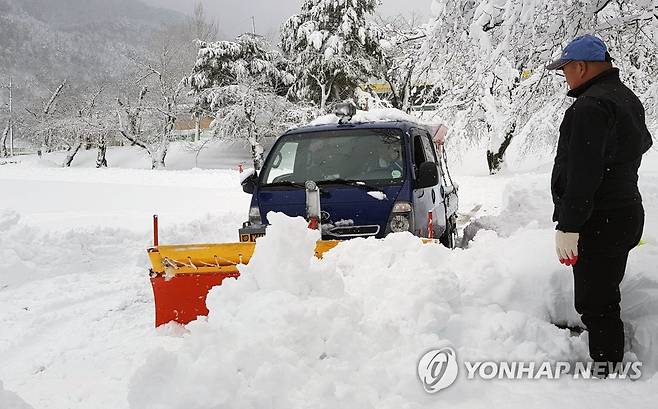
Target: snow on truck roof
(373, 115)
(384, 117)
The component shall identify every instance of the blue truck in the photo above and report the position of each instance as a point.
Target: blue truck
(356, 179)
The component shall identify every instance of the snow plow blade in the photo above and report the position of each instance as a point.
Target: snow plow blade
(182, 275)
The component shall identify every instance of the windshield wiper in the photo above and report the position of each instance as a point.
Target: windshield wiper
(348, 182)
(284, 183)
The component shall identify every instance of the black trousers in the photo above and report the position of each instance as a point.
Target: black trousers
(603, 248)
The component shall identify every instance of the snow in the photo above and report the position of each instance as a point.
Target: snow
(181, 155)
(316, 39)
(373, 115)
(9, 400)
(246, 174)
(293, 331)
(347, 330)
(377, 195)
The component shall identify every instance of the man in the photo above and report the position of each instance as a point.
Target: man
(598, 206)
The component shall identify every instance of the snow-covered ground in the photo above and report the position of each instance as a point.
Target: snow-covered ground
(76, 308)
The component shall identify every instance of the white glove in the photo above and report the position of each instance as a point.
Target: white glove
(566, 247)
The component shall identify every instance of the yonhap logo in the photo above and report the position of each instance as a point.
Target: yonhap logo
(437, 369)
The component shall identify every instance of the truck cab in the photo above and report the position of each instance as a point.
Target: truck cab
(370, 178)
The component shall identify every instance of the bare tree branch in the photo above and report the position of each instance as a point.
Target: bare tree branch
(53, 97)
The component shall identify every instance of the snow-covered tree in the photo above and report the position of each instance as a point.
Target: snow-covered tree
(7, 117)
(148, 122)
(333, 47)
(96, 115)
(243, 84)
(401, 66)
(44, 121)
(486, 58)
(80, 129)
(151, 96)
(224, 63)
(200, 26)
(245, 111)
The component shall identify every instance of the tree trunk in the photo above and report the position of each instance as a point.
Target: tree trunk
(323, 97)
(495, 159)
(49, 141)
(3, 145)
(11, 137)
(406, 106)
(256, 150)
(158, 157)
(101, 160)
(72, 152)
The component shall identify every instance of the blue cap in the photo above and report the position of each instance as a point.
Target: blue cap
(583, 48)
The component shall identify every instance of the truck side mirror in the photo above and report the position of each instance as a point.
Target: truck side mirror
(428, 175)
(249, 183)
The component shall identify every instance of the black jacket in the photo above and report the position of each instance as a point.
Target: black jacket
(602, 138)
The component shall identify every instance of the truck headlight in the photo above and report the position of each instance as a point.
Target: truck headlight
(401, 217)
(399, 223)
(402, 207)
(254, 215)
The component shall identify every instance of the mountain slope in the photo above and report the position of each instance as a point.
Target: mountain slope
(44, 41)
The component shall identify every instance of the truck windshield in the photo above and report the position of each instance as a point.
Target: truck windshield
(375, 156)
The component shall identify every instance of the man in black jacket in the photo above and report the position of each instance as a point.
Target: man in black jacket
(598, 207)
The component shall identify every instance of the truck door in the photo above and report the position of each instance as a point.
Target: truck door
(424, 199)
(437, 204)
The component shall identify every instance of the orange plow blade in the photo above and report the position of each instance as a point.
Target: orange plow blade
(182, 275)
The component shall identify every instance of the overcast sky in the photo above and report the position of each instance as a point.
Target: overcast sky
(234, 16)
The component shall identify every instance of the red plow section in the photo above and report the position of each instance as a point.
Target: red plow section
(182, 298)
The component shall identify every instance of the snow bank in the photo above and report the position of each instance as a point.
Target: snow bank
(347, 331)
(527, 204)
(295, 329)
(525, 214)
(120, 198)
(8, 219)
(10, 400)
(29, 253)
(214, 154)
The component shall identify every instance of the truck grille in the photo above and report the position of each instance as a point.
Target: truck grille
(353, 231)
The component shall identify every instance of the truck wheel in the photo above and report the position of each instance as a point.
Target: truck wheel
(449, 238)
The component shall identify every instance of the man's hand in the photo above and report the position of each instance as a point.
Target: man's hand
(566, 247)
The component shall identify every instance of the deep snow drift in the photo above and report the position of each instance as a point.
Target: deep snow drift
(346, 331)
(293, 331)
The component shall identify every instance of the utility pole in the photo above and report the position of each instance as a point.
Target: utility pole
(253, 25)
(11, 121)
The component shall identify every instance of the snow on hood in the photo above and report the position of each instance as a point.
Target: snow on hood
(377, 195)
